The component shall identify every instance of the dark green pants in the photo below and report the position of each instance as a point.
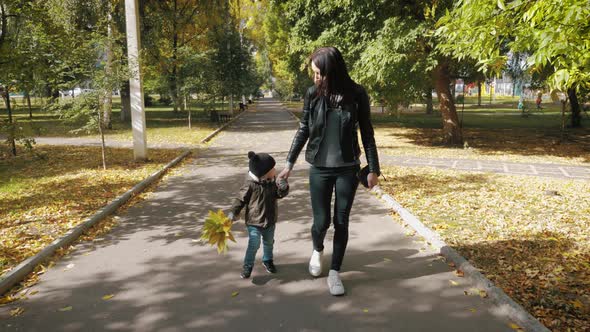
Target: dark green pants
(323, 181)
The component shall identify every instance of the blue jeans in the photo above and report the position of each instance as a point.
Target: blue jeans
(268, 240)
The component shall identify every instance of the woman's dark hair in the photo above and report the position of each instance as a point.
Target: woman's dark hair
(337, 84)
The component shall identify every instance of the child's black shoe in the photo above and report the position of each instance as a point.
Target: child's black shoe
(246, 271)
(270, 266)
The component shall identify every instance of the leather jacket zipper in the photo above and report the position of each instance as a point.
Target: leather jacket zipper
(323, 132)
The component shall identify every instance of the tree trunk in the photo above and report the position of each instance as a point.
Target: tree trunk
(11, 140)
(563, 132)
(575, 107)
(231, 104)
(478, 93)
(28, 96)
(451, 131)
(188, 109)
(107, 106)
(125, 102)
(428, 100)
(174, 78)
(102, 143)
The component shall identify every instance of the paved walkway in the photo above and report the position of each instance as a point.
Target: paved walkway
(496, 166)
(163, 279)
(546, 170)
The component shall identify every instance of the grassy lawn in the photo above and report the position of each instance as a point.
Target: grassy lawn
(489, 133)
(163, 125)
(43, 197)
(535, 246)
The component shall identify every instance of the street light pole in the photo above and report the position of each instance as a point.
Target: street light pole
(135, 83)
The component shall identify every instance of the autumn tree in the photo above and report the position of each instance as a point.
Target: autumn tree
(554, 35)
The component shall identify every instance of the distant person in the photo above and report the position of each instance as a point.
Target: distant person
(539, 100)
(333, 108)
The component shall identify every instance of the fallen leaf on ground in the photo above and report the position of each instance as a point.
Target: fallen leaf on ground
(16, 312)
(459, 273)
(365, 310)
(472, 309)
(68, 308)
(453, 282)
(108, 297)
(515, 327)
(234, 294)
(483, 294)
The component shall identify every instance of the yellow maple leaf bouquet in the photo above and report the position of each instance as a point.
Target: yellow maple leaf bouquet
(217, 230)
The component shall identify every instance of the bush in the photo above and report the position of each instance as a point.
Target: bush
(148, 100)
(165, 100)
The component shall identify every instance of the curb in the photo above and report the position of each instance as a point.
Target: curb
(291, 113)
(23, 269)
(505, 305)
(213, 134)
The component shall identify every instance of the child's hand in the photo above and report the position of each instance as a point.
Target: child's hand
(282, 184)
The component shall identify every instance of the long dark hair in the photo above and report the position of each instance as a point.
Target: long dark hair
(337, 84)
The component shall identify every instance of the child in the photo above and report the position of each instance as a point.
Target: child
(259, 195)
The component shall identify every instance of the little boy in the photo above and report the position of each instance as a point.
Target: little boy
(259, 195)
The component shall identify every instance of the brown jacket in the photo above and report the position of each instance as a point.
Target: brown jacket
(260, 199)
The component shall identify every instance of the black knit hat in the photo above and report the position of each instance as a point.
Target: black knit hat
(260, 163)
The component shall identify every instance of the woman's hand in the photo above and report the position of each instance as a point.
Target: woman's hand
(372, 180)
(284, 174)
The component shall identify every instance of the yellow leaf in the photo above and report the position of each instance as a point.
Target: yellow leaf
(459, 273)
(386, 260)
(108, 297)
(68, 308)
(365, 310)
(472, 309)
(234, 294)
(16, 312)
(515, 327)
(453, 282)
(33, 292)
(578, 304)
(483, 294)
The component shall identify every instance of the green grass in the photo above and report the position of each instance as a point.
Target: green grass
(489, 120)
(163, 125)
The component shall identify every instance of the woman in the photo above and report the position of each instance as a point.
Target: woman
(333, 109)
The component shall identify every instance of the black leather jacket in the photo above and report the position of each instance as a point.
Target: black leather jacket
(355, 115)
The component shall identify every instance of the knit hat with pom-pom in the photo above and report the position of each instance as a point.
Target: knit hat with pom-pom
(260, 163)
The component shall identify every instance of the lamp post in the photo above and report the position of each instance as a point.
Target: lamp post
(135, 83)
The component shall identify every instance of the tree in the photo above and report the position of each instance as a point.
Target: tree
(389, 46)
(170, 27)
(553, 34)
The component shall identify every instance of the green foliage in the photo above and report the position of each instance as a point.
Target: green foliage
(83, 111)
(553, 35)
(14, 131)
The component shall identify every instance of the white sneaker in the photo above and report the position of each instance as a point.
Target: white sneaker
(335, 284)
(315, 263)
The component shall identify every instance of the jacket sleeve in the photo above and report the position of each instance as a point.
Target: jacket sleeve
(241, 200)
(302, 133)
(367, 133)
